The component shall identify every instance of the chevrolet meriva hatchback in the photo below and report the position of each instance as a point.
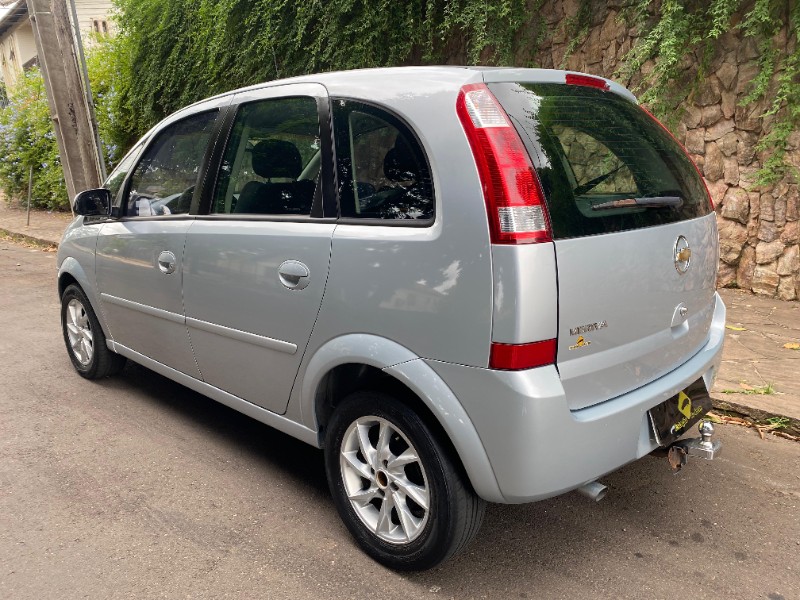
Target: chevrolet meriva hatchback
(464, 284)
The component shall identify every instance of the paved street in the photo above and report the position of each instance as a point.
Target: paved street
(136, 487)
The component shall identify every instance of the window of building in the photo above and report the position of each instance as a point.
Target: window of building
(100, 26)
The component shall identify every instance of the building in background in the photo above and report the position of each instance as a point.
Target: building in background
(18, 45)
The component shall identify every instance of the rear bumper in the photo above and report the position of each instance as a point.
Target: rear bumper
(538, 448)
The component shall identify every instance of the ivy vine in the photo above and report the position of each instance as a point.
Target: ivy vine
(576, 28)
(173, 52)
(170, 53)
(673, 32)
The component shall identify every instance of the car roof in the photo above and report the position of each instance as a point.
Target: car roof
(367, 82)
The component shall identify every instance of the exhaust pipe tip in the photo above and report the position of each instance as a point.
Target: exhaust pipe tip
(594, 490)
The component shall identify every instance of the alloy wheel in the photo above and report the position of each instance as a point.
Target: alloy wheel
(79, 331)
(385, 480)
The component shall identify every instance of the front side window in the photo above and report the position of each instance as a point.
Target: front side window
(117, 177)
(272, 162)
(383, 173)
(163, 182)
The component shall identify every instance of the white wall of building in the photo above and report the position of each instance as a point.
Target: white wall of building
(16, 50)
(18, 46)
(91, 11)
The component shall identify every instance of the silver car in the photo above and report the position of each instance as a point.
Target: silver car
(463, 284)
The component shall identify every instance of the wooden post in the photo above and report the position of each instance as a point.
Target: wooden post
(81, 157)
(30, 193)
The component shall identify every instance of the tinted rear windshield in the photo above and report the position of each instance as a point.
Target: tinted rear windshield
(604, 164)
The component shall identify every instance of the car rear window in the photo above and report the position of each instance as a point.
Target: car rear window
(604, 164)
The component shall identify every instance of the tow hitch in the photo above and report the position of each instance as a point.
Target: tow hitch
(702, 447)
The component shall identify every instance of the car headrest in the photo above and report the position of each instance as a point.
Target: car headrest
(399, 164)
(277, 158)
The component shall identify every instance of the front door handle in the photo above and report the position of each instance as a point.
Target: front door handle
(167, 262)
(294, 275)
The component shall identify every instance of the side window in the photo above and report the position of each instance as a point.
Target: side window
(272, 162)
(382, 169)
(163, 182)
(114, 181)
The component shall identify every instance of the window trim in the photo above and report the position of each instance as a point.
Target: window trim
(372, 222)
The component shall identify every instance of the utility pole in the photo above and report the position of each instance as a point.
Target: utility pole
(70, 104)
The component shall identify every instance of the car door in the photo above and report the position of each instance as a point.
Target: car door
(139, 254)
(256, 265)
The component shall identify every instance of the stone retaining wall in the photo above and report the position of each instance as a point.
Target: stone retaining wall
(758, 227)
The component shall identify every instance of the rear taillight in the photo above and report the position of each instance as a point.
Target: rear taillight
(514, 199)
(514, 357)
(685, 151)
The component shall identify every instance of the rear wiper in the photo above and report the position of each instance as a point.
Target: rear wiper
(651, 202)
(590, 185)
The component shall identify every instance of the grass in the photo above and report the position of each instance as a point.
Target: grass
(778, 422)
(760, 390)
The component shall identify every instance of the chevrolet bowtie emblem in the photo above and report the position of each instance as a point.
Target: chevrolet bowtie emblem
(682, 255)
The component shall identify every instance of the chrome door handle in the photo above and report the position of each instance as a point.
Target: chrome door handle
(166, 262)
(294, 275)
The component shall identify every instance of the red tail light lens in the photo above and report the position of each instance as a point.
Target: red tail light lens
(514, 357)
(685, 151)
(511, 189)
(587, 81)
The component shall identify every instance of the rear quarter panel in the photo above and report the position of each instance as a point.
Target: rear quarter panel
(428, 289)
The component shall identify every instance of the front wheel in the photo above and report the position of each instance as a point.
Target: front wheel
(397, 489)
(86, 343)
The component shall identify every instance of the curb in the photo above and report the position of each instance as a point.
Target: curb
(792, 425)
(30, 239)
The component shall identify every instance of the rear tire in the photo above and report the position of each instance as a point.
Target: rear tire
(85, 340)
(398, 491)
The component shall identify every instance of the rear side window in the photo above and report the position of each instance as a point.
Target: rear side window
(604, 164)
(272, 161)
(383, 173)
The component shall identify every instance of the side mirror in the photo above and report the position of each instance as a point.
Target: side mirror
(91, 203)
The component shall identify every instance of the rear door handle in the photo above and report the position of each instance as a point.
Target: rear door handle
(294, 275)
(167, 262)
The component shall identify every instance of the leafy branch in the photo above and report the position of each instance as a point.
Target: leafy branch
(678, 38)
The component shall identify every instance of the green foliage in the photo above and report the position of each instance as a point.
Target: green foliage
(173, 52)
(678, 36)
(27, 140)
(577, 28)
(766, 21)
(170, 53)
(27, 137)
(677, 31)
(102, 62)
